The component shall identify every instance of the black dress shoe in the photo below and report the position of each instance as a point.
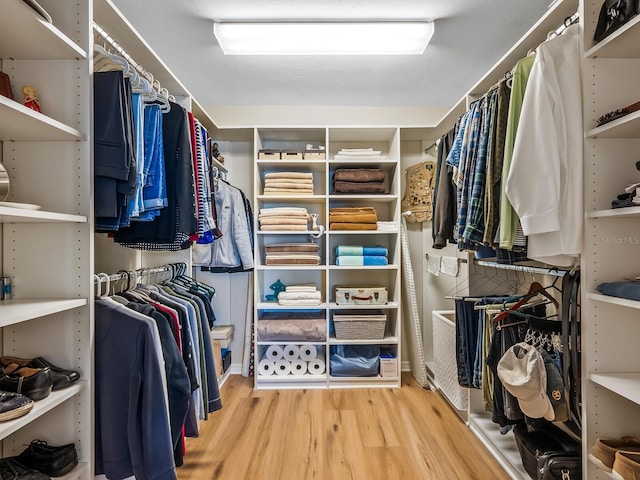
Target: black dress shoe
(14, 405)
(61, 378)
(35, 383)
(10, 469)
(50, 460)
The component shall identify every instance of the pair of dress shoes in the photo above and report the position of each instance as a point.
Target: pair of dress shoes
(60, 377)
(39, 462)
(34, 383)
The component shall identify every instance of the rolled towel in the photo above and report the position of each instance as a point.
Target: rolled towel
(361, 260)
(274, 353)
(298, 367)
(291, 352)
(266, 367)
(283, 367)
(343, 250)
(316, 366)
(308, 352)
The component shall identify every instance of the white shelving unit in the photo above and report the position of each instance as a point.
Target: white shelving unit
(48, 253)
(610, 357)
(327, 275)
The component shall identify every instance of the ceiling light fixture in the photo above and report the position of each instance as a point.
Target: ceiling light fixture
(359, 38)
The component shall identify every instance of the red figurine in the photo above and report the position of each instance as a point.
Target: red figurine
(31, 99)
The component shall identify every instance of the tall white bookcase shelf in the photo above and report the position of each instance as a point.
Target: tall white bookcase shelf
(328, 275)
(48, 253)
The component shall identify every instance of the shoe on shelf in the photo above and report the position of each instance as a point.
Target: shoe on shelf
(35, 383)
(10, 469)
(48, 459)
(626, 466)
(14, 405)
(604, 451)
(61, 378)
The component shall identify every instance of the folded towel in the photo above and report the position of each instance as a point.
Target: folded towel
(299, 295)
(359, 152)
(359, 156)
(450, 266)
(433, 264)
(352, 226)
(355, 218)
(343, 250)
(288, 191)
(302, 287)
(292, 259)
(282, 183)
(352, 210)
(361, 260)
(360, 175)
(387, 226)
(293, 181)
(283, 221)
(302, 302)
(301, 175)
(276, 228)
(291, 247)
(283, 211)
(359, 187)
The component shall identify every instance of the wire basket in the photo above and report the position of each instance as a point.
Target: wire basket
(359, 326)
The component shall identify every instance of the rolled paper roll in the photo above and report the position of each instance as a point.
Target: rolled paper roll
(298, 367)
(266, 367)
(291, 352)
(283, 367)
(308, 352)
(316, 366)
(274, 353)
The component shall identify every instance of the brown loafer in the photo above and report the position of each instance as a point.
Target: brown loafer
(604, 451)
(626, 466)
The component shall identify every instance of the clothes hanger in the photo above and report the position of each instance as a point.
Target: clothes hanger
(534, 289)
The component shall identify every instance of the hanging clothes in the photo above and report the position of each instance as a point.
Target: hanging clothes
(444, 196)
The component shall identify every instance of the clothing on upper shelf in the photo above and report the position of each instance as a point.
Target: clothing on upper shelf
(418, 194)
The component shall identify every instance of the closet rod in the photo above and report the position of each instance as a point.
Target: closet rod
(138, 274)
(122, 52)
(521, 268)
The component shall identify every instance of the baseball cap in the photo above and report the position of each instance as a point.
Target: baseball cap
(555, 387)
(522, 372)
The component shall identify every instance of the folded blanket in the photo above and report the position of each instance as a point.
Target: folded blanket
(355, 218)
(288, 183)
(291, 329)
(387, 226)
(301, 175)
(291, 191)
(360, 175)
(303, 287)
(361, 260)
(283, 211)
(291, 247)
(343, 250)
(352, 210)
(292, 259)
(283, 221)
(301, 303)
(359, 187)
(299, 295)
(353, 226)
(275, 228)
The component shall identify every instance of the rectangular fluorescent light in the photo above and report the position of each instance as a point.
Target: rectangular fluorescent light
(359, 38)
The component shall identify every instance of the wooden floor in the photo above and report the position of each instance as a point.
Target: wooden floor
(361, 434)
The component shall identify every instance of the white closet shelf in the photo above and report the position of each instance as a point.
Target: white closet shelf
(384, 341)
(623, 43)
(21, 215)
(16, 311)
(623, 127)
(363, 267)
(615, 212)
(290, 267)
(26, 35)
(288, 198)
(40, 408)
(382, 198)
(292, 378)
(277, 306)
(614, 300)
(388, 306)
(19, 123)
(626, 385)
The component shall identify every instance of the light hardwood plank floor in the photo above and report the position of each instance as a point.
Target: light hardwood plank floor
(360, 434)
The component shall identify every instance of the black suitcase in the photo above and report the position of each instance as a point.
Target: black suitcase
(536, 445)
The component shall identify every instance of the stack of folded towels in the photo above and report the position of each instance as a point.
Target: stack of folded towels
(302, 295)
(360, 180)
(288, 183)
(359, 153)
(359, 255)
(284, 218)
(353, 218)
(292, 254)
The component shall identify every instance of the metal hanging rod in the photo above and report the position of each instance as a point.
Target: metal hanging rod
(522, 268)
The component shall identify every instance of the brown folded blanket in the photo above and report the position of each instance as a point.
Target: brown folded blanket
(360, 175)
(353, 226)
(275, 228)
(283, 221)
(354, 218)
(293, 259)
(359, 187)
(291, 247)
(352, 210)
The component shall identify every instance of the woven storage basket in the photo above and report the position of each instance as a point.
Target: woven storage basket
(360, 326)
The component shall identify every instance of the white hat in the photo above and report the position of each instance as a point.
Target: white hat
(522, 372)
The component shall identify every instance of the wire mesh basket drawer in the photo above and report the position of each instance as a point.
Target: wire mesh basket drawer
(360, 326)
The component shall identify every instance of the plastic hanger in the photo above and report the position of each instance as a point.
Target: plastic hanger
(534, 289)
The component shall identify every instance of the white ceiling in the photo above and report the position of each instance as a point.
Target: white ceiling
(470, 36)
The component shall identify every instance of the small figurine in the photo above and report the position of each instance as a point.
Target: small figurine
(277, 287)
(215, 153)
(31, 99)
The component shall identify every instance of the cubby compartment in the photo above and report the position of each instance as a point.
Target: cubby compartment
(269, 276)
(385, 140)
(390, 325)
(368, 243)
(290, 141)
(290, 243)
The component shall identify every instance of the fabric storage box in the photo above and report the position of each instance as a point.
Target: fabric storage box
(269, 154)
(445, 368)
(347, 295)
(359, 325)
(354, 361)
(315, 155)
(222, 333)
(291, 155)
